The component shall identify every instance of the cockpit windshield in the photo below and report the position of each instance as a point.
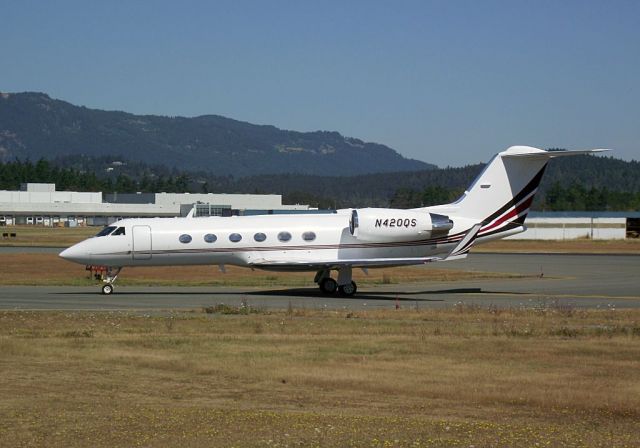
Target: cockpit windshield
(106, 231)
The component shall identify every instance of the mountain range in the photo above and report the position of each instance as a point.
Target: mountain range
(34, 126)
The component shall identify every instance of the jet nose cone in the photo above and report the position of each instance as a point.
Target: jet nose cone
(66, 254)
(76, 254)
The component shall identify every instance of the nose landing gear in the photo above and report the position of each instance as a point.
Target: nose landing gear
(109, 280)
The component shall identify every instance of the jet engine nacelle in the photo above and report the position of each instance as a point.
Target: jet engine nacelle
(394, 225)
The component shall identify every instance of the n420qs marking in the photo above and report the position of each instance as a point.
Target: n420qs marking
(494, 206)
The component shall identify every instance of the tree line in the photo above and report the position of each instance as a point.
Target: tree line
(12, 174)
(564, 191)
(575, 197)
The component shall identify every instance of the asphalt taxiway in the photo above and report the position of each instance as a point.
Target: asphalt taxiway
(598, 281)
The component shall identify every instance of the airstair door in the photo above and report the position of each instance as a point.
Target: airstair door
(141, 242)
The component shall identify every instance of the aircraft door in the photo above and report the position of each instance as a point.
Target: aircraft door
(141, 242)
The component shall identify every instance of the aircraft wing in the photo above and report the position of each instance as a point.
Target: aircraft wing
(334, 264)
(459, 252)
(313, 265)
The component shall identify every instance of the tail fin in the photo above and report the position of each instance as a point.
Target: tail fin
(502, 194)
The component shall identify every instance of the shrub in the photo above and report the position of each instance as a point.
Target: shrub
(78, 334)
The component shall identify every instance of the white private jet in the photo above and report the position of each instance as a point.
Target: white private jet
(494, 206)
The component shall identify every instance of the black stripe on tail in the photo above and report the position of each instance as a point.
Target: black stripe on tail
(532, 185)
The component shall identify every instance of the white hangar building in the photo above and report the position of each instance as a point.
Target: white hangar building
(41, 204)
(574, 225)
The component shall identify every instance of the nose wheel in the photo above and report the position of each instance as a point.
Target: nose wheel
(109, 280)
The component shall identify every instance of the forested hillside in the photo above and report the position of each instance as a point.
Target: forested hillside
(34, 126)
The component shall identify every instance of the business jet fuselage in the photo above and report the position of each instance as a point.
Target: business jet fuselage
(494, 206)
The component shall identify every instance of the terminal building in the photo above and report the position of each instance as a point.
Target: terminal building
(40, 204)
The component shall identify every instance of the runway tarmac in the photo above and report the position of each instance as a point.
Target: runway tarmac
(595, 281)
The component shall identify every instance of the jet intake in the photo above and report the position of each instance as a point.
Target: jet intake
(394, 225)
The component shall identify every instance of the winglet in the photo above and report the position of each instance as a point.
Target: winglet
(463, 247)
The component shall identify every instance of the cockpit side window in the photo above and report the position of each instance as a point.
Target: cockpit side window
(119, 231)
(106, 231)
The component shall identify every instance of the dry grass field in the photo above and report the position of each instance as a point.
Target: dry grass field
(553, 376)
(578, 246)
(46, 236)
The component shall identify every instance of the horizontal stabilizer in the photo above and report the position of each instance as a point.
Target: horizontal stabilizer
(540, 154)
(463, 247)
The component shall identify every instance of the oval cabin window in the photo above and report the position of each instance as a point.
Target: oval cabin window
(184, 238)
(235, 237)
(210, 238)
(259, 237)
(284, 236)
(308, 236)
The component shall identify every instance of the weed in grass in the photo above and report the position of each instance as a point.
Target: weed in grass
(462, 308)
(520, 332)
(77, 334)
(566, 332)
(169, 323)
(209, 309)
(494, 309)
(243, 309)
(565, 309)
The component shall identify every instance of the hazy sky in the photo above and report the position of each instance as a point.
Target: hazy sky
(447, 82)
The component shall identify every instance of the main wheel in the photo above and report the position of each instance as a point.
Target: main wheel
(107, 289)
(328, 285)
(348, 290)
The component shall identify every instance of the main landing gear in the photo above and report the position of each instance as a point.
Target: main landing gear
(348, 290)
(328, 285)
(344, 285)
(109, 280)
